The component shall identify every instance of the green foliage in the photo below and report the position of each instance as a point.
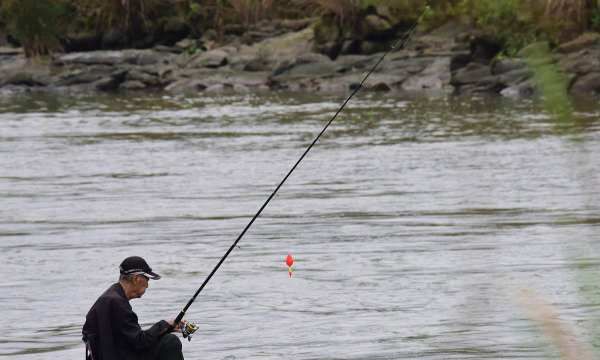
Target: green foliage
(551, 82)
(35, 23)
(513, 22)
(133, 17)
(595, 19)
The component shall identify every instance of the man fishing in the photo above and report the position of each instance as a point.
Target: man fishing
(111, 330)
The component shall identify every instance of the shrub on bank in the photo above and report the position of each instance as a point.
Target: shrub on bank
(37, 24)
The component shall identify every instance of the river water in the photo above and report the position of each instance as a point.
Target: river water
(416, 223)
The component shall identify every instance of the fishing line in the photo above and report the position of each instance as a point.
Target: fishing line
(400, 43)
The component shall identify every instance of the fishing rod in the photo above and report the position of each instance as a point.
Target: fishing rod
(190, 328)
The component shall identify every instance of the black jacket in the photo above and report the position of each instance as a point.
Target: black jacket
(112, 331)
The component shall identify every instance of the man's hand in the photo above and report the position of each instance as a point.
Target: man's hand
(175, 327)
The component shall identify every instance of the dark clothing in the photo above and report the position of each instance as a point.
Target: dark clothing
(112, 330)
(169, 348)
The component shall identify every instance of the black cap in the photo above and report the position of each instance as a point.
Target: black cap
(135, 265)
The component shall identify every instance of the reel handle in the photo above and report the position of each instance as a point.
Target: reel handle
(188, 329)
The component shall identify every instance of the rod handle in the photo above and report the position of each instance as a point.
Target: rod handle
(179, 317)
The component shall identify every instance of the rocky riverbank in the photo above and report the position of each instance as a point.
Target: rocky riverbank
(450, 59)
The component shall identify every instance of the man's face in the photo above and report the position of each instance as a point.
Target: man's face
(140, 283)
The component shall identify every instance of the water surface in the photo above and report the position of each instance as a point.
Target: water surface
(415, 223)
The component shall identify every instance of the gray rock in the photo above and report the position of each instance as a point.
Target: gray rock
(25, 78)
(296, 25)
(309, 58)
(507, 65)
(143, 77)
(82, 75)
(217, 88)
(434, 77)
(311, 70)
(525, 89)
(515, 76)
(111, 57)
(376, 25)
(377, 81)
(111, 82)
(351, 63)
(333, 86)
(9, 51)
(150, 57)
(167, 49)
(582, 62)
(582, 42)
(485, 87)
(470, 74)
(588, 84)
(459, 61)
(210, 59)
(412, 65)
(186, 44)
(306, 65)
(133, 85)
(184, 86)
(257, 65)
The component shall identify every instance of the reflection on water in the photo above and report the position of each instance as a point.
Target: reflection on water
(414, 222)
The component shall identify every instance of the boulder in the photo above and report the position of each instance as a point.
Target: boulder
(380, 81)
(309, 58)
(470, 74)
(209, 59)
(132, 85)
(317, 69)
(525, 89)
(111, 82)
(351, 63)
(10, 51)
(296, 25)
(487, 85)
(257, 65)
(25, 78)
(581, 62)
(376, 26)
(183, 86)
(588, 84)
(143, 77)
(582, 42)
(436, 76)
(76, 76)
(459, 61)
(516, 76)
(187, 44)
(111, 57)
(507, 65)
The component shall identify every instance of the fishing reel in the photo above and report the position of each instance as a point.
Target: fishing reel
(188, 329)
